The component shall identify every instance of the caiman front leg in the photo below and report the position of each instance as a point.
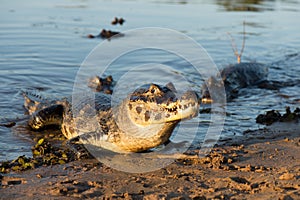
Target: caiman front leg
(52, 115)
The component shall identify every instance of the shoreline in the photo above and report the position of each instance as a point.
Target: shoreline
(261, 164)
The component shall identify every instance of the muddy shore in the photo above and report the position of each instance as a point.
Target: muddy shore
(261, 164)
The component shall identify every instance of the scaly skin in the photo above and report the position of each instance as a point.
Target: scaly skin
(143, 120)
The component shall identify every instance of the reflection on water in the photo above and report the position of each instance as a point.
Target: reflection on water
(43, 51)
(258, 5)
(245, 5)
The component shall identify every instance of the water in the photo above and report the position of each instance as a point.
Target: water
(42, 45)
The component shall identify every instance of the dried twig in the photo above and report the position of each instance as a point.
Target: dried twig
(234, 47)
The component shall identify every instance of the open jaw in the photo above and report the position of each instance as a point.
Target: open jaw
(170, 109)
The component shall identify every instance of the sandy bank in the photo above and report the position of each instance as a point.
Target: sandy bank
(261, 164)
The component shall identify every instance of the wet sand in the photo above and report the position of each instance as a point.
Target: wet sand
(261, 164)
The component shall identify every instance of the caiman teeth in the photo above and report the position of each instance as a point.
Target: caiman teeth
(171, 109)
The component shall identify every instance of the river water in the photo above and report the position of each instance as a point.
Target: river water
(43, 43)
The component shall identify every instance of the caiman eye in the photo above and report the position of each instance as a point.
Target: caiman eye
(153, 88)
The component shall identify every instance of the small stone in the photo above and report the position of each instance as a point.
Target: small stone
(55, 191)
(287, 176)
(247, 168)
(234, 155)
(76, 182)
(39, 176)
(260, 169)
(154, 196)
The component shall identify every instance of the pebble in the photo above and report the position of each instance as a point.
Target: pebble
(39, 176)
(287, 176)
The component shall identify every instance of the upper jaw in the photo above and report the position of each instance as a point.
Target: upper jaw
(151, 112)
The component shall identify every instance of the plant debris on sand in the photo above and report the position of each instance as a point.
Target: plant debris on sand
(44, 154)
(261, 164)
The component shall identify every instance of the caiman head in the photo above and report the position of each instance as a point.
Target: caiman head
(154, 104)
(148, 116)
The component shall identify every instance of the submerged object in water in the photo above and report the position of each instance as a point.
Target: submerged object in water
(235, 77)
